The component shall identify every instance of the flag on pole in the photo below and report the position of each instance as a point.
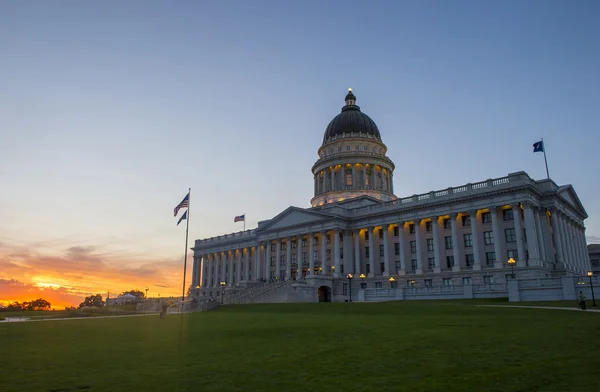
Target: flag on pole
(184, 204)
(240, 218)
(539, 146)
(184, 216)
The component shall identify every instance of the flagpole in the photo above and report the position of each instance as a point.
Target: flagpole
(187, 227)
(244, 221)
(545, 160)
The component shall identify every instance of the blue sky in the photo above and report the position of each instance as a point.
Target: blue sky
(110, 110)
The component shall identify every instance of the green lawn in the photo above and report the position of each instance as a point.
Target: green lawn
(397, 346)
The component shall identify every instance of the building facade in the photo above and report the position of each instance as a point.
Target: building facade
(356, 225)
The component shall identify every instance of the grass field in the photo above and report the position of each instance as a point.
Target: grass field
(405, 345)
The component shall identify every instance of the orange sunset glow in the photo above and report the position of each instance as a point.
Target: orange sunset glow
(65, 278)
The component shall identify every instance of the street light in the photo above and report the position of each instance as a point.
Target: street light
(512, 262)
(392, 280)
(222, 291)
(362, 281)
(349, 277)
(592, 287)
(146, 291)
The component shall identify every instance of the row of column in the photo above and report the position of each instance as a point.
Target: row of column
(569, 247)
(363, 176)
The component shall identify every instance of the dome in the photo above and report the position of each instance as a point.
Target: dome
(351, 119)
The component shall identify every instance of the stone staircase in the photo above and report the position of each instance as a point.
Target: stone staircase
(255, 293)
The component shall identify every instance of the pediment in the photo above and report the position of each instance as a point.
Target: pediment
(568, 194)
(294, 216)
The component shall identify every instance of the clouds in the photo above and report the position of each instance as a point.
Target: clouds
(68, 275)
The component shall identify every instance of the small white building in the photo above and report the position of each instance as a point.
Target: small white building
(453, 236)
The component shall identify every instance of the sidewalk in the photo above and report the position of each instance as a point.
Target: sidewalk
(19, 319)
(543, 307)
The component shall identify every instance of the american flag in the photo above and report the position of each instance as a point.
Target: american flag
(240, 218)
(184, 204)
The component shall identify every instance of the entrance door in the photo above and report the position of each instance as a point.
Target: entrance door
(324, 294)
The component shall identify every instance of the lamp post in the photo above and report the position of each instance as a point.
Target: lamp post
(362, 281)
(392, 280)
(512, 262)
(222, 291)
(592, 287)
(349, 277)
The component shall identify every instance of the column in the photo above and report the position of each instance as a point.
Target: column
(258, 261)
(277, 258)
(333, 179)
(402, 246)
(231, 267)
(354, 175)
(357, 270)
(586, 254)
(323, 252)
(268, 260)
(548, 244)
(311, 255)
(435, 221)
(571, 236)
(288, 258)
(194, 270)
(456, 245)
(327, 185)
(336, 252)
(238, 267)
(577, 243)
(476, 240)
(519, 234)
(419, 240)
(223, 261)
(568, 242)
(247, 264)
(348, 252)
(364, 176)
(532, 236)
(374, 270)
(540, 236)
(299, 258)
(558, 239)
(208, 272)
(498, 239)
(386, 250)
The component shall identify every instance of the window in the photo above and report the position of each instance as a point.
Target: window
(447, 281)
(447, 224)
(411, 228)
(430, 244)
(470, 260)
(488, 237)
(342, 269)
(273, 247)
(283, 246)
(303, 243)
(510, 235)
(363, 285)
(293, 258)
(380, 231)
(396, 231)
(282, 260)
(413, 246)
(466, 220)
(428, 226)
(294, 244)
(272, 260)
(381, 266)
(328, 254)
(490, 257)
(381, 251)
(366, 252)
(467, 281)
(449, 261)
(410, 283)
(468, 240)
(368, 268)
(488, 280)
(507, 214)
(448, 242)
(366, 235)
(341, 253)
(397, 265)
(328, 238)
(396, 248)
(315, 255)
(345, 289)
(431, 261)
(486, 217)
(414, 264)
(377, 285)
(349, 175)
(428, 282)
(347, 148)
(315, 240)
(512, 254)
(304, 257)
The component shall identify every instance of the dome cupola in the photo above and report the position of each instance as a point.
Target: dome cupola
(351, 120)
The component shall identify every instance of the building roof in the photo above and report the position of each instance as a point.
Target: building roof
(351, 120)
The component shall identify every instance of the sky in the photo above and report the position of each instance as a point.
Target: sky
(110, 111)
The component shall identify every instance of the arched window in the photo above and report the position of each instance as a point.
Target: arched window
(369, 172)
(349, 176)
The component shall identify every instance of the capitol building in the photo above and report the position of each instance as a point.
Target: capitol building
(358, 235)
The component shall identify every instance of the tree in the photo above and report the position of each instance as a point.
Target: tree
(38, 304)
(139, 294)
(92, 301)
